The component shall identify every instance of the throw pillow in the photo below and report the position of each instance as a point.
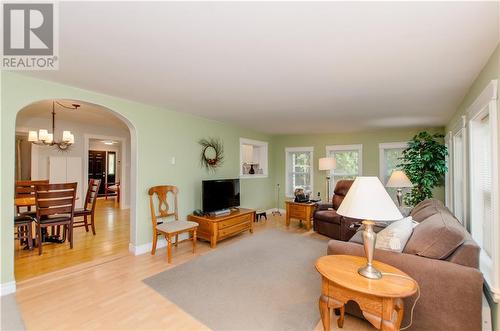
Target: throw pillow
(394, 237)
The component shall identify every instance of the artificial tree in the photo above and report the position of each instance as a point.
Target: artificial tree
(424, 162)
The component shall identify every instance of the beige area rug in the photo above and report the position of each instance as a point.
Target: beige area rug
(264, 282)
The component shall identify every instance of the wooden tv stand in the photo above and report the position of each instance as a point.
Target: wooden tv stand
(216, 228)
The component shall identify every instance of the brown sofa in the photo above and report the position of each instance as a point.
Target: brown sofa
(442, 257)
(326, 220)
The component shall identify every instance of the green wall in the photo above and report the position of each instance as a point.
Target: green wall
(369, 139)
(159, 135)
(490, 72)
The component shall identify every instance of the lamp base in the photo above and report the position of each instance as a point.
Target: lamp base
(370, 271)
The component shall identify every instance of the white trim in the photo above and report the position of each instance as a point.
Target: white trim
(489, 94)
(464, 203)
(7, 288)
(448, 177)
(484, 105)
(381, 159)
(309, 149)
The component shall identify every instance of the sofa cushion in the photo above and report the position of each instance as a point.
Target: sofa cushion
(437, 236)
(329, 216)
(396, 235)
(425, 209)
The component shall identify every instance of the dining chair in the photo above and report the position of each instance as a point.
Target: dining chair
(168, 228)
(55, 206)
(26, 189)
(89, 207)
(113, 188)
(23, 224)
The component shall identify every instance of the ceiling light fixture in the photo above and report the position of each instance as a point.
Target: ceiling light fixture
(44, 138)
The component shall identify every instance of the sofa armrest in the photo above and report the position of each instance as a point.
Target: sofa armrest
(323, 206)
(451, 294)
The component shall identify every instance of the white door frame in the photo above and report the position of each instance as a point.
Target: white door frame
(124, 190)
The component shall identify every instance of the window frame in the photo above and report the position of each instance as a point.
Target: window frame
(486, 105)
(345, 148)
(289, 150)
(382, 147)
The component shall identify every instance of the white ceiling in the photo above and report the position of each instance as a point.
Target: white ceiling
(282, 67)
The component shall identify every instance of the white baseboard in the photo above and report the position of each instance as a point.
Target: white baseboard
(7, 288)
(146, 248)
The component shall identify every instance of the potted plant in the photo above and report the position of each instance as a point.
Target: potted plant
(424, 162)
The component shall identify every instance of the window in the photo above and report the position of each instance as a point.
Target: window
(458, 175)
(349, 162)
(483, 188)
(299, 169)
(111, 163)
(389, 158)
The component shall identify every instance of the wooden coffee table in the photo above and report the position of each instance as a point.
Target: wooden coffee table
(302, 211)
(381, 300)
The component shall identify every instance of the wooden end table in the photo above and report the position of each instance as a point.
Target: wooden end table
(381, 300)
(302, 211)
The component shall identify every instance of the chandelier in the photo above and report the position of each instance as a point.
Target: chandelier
(44, 138)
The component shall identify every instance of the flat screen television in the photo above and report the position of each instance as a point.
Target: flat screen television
(220, 194)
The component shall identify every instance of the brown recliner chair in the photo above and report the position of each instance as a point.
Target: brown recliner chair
(326, 220)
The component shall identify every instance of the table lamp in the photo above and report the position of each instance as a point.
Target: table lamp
(327, 164)
(399, 180)
(367, 199)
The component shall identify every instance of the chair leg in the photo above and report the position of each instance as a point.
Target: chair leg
(92, 223)
(30, 238)
(85, 223)
(39, 239)
(176, 239)
(70, 235)
(169, 249)
(155, 239)
(194, 241)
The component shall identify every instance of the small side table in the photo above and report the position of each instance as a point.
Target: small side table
(381, 301)
(302, 211)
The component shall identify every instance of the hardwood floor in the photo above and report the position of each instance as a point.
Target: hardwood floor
(108, 294)
(112, 237)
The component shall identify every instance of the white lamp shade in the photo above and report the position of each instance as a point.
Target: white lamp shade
(247, 154)
(71, 139)
(32, 136)
(367, 199)
(43, 134)
(66, 136)
(50, 138)
(327, 163)
(398, 179)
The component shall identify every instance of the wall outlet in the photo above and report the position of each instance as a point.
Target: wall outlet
(172, 160)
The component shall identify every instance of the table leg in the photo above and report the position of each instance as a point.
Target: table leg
(324, 310)
(340, 320)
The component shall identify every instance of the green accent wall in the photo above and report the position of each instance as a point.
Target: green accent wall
(159, 135)
(370, 161)
(489, 72)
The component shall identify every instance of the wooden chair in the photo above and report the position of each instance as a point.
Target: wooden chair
(55, 206)
(23, 224)
(168, 228)
(26, 189)
(113, 188)
(89, 207)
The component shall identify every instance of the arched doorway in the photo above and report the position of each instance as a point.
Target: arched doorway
(91, 125)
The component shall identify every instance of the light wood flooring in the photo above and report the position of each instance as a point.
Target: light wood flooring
(108, 294)
(112, 237)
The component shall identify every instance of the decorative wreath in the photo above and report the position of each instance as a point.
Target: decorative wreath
(212, 153)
